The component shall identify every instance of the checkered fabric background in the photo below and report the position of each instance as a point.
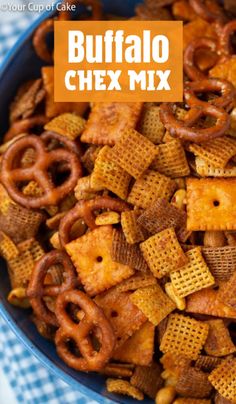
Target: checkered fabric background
(31, 382)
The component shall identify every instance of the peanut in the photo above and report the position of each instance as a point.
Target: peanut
(166, 395)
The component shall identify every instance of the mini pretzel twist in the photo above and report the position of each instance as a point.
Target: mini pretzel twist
(37, 290)
(11, 175)
(225, 49)
(40, 40)
(93, 320)
(190, 68)
(24, 126)
(85, 210)
(95, 5)
(186, 129)
(205, 12)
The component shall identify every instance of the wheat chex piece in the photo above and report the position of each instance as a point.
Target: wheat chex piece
(91, 255)
(120, 370)
(138, 280)
(227, 291)
(132, 230)
(205, 169)
(210, 204)
(20, 223)
(139, 348)
(171, 160)
(219, 342)
(163, 253)
(153, 302)
(134, 153)
(107, 121)
(162, 215)
(193, 382)
(217, 152)
(221, 400)
(8, 249)
(127, 254)
(191, 400)
(123, 315)
(68, 125)
(108, 174)
(148, 379)
(184, 336)
(193, 276)
(151, 186)
(221, 261)
(56, 108)
(150, 124)
(223, 378)
(123, 387)
(207, 363)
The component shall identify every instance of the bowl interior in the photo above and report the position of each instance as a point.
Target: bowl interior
(22, 64)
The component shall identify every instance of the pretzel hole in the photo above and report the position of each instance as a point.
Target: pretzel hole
(72, 347)
(59, 171)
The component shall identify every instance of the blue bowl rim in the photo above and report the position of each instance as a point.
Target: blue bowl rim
(89, 392)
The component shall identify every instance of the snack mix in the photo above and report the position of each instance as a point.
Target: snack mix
(118, 220)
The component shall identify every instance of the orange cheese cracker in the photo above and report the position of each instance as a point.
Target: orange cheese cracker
(108, 120)
(139, 348)
(91, 255)
(211, 204)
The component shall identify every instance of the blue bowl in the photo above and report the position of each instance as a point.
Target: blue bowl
(20, 65)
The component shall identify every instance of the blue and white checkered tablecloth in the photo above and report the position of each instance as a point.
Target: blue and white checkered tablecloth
(31, 382)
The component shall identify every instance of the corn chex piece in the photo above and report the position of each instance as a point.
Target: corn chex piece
(91, 255)
(8, 249)
(207, 363)
(117, 370)
(132, 230)
(216, 152)
(225, 70)
(210, 204)
(20, 269)
(191, 400)
(32, 189)
(207, 170)
(18, 297)
(162, 215)
(221, 261)
(183, 11)
(171, 160)
(139, 348)
(223, 378)
(219, 342)
(193, 382)
(123, 387)
(127, 254)
(107, 121)
(153, 302)
(5, 201)
(163, 253)
(106, 218)
(151, 126)
(184, 336)
(68, 125)
(134, 153)
(108, 174)
(138, 280)
(147, 379)
(84, 189)
(123, 315)
(193, 276)
(150, 187)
